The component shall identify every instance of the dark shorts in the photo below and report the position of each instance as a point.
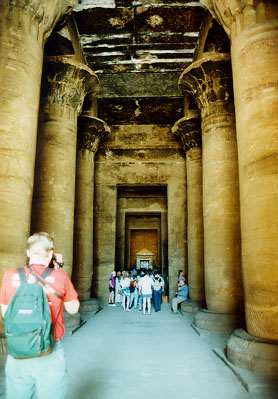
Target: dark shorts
(111, 289)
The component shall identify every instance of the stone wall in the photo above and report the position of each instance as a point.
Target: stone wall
(140, 156)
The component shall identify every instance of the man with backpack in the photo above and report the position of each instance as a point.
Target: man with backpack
(32, 302)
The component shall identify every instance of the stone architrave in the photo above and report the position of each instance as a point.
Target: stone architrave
(64, 86)
(209, 81)
(253, 30)
(25, 25)
(188, 129)
(91, 131)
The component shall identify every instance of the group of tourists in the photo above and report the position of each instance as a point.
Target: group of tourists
(136, 288)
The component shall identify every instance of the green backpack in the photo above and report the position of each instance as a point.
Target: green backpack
(28, 326)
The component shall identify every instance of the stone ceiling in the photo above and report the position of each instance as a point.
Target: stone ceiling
(139, 36)
(139, 49)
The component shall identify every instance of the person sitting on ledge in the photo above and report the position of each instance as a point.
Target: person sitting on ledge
(181, 296)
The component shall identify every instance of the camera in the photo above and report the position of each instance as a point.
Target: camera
(54, 263)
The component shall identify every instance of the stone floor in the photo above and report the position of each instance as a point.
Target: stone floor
(125, 355)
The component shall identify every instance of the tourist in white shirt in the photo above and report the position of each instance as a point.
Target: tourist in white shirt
(125, 283)
(145, 286)
(118, 290)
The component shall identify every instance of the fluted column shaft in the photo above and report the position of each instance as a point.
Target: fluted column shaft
(90, 131)
(24, 27)
(65, 84)
(253, 30)
(209, 81)
(189, 130)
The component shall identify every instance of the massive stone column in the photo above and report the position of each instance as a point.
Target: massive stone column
(209, 81)
(65, 84)
(25, 25)
(176, 222)
(188, 129)
(253, 30)
(90, 131)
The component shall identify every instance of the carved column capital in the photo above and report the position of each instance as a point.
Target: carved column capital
(239, 14)
(224, 11)
(47, 13)
(67, 81)
(90, 132)
(209, 81)
(188, 129)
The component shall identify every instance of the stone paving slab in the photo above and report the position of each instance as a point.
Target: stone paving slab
(255, 384)
(130, 355)
(251, 382)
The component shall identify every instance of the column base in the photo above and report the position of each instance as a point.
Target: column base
(257, 355)
(72, 320)
(217, 321)
(191, 306)
(89, 305)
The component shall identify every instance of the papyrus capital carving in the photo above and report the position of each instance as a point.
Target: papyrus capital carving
(209, 81)
(91, 131)
(188, 129)
(47, 13)
(224, 11)
(67, 81)
(245, 12)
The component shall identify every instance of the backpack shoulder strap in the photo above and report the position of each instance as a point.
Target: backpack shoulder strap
(22, 275)
(44, 276)
(45, 284)
(47, 272)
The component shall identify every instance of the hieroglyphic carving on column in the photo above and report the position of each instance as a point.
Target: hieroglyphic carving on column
(91, 131)
(209, 81)
(254, 42)
(65, 85)
(24, 26)
(188, 129)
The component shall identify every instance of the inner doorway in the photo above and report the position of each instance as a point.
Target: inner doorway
(144, 239)
(141, 224)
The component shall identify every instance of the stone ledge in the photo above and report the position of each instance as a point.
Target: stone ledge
(254, 354)
(251, 382)
(217, 321)
(3, 345)
(71, 320)
(2, 387)
(191, 306)
(89, 305)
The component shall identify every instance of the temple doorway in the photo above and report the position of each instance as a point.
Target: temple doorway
(142, 225)
(144, 248)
